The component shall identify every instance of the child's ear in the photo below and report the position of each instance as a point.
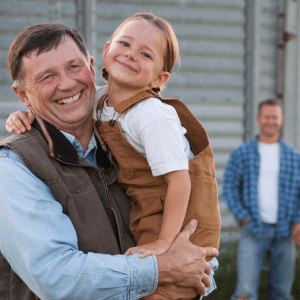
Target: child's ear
(105, 50)
(21, 94)
(160, 80)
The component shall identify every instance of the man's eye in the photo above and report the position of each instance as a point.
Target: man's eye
(74, 66)
(125, 44)
(146, 55)
(47, 77)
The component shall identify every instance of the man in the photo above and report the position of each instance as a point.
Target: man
(261, 188)
(63, 217)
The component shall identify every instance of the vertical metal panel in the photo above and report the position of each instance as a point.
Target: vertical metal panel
(15, 16)
(291, 131)
(260, 58)
(252, 63)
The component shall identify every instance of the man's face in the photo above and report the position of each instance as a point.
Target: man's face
(59, 85)
(270, 120)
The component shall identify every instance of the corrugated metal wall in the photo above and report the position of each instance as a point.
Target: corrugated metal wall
(15, 16)
(212, 38)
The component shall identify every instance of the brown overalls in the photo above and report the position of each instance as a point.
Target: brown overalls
(147, 193)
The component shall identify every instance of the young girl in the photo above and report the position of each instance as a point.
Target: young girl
(152, 138)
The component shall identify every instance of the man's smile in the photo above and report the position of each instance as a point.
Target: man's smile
(69, 100)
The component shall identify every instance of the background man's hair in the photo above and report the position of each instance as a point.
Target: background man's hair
(270, 101)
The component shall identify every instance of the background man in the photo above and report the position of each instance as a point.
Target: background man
(261, 188)
(62, 213)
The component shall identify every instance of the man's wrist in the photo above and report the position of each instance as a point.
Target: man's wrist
(163, 263)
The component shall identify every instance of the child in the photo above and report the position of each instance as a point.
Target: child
(151, 138)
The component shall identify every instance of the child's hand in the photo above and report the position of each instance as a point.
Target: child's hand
(160, 246)
(19, 121)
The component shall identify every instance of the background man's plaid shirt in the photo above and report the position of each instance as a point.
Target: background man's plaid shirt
(240, 187)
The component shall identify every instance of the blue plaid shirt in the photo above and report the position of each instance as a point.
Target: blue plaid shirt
(240, 187)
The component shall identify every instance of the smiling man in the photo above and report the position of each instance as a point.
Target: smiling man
(63, 216)
(261, 188)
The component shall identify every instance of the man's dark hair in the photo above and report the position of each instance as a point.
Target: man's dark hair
(270, 101)
(41, 37)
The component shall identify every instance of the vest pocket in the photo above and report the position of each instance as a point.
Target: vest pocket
(117, 147)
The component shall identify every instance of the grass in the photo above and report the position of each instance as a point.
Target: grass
(226, 275)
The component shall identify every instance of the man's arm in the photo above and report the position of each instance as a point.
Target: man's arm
(40, 244)
(231, 187)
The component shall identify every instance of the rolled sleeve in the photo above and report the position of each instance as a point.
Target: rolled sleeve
(143, 274)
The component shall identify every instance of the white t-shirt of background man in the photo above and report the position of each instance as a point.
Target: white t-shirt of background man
(268, 181)
(153, 128)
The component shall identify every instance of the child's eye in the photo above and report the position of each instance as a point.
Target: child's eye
(146, 55)
(125, 44)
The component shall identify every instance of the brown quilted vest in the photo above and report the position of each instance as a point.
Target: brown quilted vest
(82, 190)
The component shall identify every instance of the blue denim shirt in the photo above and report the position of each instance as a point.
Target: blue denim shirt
(240, 187)
(34, 253)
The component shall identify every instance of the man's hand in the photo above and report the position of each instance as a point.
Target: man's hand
(184, 264)
(296, 233)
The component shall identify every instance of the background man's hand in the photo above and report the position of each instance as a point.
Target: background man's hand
(245, 222)
(184, 265)
(296, 233)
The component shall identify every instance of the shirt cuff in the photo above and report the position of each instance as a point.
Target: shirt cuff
(214, 265)
(143, 275)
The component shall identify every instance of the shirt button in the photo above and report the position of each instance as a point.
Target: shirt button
(77, 145)
(143, 291)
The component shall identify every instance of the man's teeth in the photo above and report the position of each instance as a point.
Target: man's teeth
(69, 100)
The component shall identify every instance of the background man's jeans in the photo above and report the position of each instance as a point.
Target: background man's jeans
(250, 257)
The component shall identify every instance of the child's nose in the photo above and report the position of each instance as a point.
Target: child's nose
(131, 54)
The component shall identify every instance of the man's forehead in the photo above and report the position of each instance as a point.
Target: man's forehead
(66, 44)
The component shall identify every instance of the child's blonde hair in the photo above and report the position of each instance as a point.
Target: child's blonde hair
(172, 49)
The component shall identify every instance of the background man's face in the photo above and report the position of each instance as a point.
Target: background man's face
(59, 85)
(270, 120)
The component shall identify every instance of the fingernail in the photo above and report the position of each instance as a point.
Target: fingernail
(194, 222)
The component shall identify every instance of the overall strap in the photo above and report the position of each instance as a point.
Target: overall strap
(128, 104)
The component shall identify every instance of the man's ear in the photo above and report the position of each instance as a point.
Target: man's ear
(105, 50)
(21, 94)
(160, 80)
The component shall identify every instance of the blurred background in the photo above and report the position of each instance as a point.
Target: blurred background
(234, 53)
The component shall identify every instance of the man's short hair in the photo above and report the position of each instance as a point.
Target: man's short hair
(41, 37)
(270, 101)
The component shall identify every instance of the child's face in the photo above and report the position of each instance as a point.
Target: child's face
(134, 58)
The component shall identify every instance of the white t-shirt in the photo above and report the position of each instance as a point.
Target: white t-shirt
(268, 181)
(153, 128)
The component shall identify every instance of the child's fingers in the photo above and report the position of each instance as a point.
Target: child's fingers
(130, 251)
(17, 126)
(31, 117)
(25, 118)
(146, 253)
(134, 250)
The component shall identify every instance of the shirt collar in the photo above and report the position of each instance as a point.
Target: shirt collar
(90, 153)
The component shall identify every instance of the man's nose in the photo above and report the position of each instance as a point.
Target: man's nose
(67, 82)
